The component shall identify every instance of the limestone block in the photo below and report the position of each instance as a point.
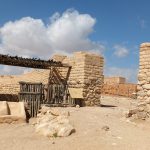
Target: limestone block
(141, 93)
(147, 108)
(142, 82)
(3, 108)
(16, 113)
(148, 93)
(146, 86)
(139, 88)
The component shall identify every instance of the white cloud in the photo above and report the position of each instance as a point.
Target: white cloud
(64, 34)
(129, 73)
(120, 51)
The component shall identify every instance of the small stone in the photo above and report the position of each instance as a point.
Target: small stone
(65, 130)
(132, 111)
(127, 114)
(77, 106)
(106, 128)
(141, 115)
(141, 108)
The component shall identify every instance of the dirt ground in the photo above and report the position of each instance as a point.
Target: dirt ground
(88, 122)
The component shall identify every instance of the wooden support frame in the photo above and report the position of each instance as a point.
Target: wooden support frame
(31, 94)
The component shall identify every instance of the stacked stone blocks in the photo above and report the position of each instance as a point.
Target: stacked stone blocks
(141, 110)
(86, 74)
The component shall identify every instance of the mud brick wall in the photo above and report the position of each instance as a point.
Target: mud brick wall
(114, 80)
(125, 90)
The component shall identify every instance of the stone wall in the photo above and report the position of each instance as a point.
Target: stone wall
(142, 109)
(114, 80)
(126, 89)
(86, 74)
(144, 73)
(10, 84)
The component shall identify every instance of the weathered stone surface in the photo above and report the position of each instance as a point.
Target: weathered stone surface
(148, 93)
(141, 115)
(141, 93)
(65, 130)
(54, 123)
(143, 103)
(146, 86)
(3, 108)
(147, 109)
(85, 67)
(133, 111)
(12, 112)
(46, 129)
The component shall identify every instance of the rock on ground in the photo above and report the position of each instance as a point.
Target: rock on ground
(52, 122)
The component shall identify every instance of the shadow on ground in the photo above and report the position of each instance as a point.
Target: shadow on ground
(108, 106)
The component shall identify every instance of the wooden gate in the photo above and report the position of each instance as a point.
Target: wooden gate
(55, 94)
(57, 89)
(32, 94)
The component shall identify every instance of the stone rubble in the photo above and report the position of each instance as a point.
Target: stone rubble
(53, 122)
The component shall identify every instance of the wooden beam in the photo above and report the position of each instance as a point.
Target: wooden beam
(29, 62)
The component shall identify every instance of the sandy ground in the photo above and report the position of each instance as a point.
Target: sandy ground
(88, 122)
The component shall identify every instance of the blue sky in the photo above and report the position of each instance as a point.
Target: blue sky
(120, 27)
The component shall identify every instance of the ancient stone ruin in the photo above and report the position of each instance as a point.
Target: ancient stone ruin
(86, 75)
(142, 109)
(119, 87)
(144, 73)
(84, 81)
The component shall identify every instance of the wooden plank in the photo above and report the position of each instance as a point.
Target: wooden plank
(29, 62)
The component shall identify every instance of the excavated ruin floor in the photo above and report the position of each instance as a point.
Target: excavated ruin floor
(90, 133)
